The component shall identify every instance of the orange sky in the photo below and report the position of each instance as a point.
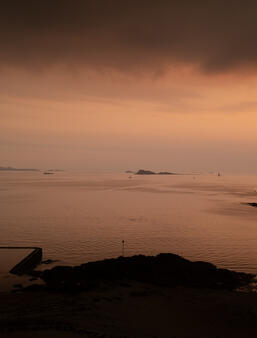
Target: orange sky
(190, 123)
(117, 112)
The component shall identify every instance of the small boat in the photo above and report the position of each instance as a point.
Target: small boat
(47, 173)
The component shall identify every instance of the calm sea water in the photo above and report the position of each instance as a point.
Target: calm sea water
(79, 217)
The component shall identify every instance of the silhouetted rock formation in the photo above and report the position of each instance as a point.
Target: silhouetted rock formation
(145, 172)
(149, 172)
(252, 204)
(164, 269)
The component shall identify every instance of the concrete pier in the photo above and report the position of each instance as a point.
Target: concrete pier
(29, 262)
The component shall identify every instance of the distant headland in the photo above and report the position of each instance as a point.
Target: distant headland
(17, 169)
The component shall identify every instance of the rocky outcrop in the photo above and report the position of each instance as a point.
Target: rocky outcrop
(164, 269)
(149, 172)
(252, 204)
(145, 172)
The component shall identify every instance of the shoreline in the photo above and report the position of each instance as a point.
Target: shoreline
(117, 305)
(164, 269)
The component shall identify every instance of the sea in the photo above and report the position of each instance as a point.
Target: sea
(77, 217)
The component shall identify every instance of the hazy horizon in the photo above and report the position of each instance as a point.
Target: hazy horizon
(110, 86)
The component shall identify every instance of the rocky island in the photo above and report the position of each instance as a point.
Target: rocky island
(252, 204)
(149, 172)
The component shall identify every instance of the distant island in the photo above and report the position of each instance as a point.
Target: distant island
(55, 170)
(252, 204)
(17, 169)
(149, 172)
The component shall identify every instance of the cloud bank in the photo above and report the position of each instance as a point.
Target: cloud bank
(136, 35)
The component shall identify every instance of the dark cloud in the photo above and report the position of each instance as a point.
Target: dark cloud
(133, 35)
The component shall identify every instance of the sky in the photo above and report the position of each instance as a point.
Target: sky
(108, 85)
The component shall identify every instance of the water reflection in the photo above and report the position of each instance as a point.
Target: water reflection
(79, 217)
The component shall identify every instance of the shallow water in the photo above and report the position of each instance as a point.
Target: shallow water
(79, 217)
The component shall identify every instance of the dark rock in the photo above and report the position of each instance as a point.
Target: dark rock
(20, 286)
(34, 287)
(49, 261)
(164, 269)
(149, 172)
(253, 204)
(145, 172)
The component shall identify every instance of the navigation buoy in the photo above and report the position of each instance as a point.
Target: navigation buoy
(123, 247)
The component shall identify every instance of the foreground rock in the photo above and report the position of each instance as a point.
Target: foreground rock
(162, 270)
(118, 304)
(138, 311)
